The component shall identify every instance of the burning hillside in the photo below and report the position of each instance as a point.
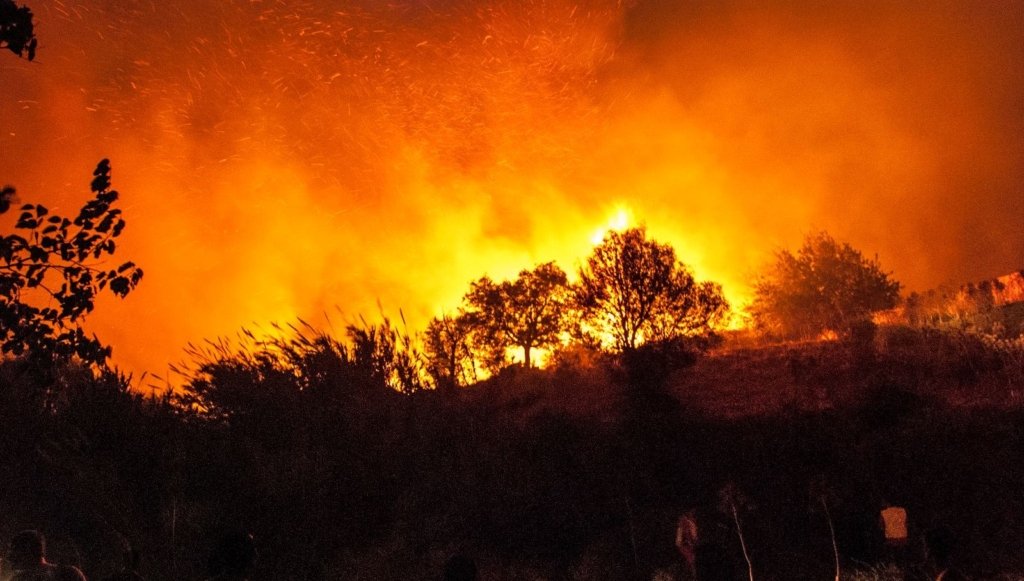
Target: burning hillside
(281, 159)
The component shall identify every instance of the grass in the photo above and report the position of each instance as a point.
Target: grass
(876, 573)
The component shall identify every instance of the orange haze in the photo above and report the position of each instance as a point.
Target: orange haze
(281, 158)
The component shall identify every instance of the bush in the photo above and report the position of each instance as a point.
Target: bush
(826, 286)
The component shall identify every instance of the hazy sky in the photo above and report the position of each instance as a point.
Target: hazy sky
(291, 157)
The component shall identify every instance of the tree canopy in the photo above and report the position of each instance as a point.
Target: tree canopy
(448, 350)
(528, 312)
(635, 290)
(825, 286)
(50, 276)
(16, 31)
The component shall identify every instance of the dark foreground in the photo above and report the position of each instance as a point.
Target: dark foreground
(579, 471)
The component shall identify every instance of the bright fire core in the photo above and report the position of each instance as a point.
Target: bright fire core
(287, 159)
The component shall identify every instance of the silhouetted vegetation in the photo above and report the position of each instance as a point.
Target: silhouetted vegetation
(633, 290)
(51, 274)
(17, 33)
(825, 286)
(528, 312)
(375, 455)
(578, 470)
(367, 456)
(380, 454)
(633, 296)
(448, 349)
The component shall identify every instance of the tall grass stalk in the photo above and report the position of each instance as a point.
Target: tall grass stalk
(832, 533)
(743, 542)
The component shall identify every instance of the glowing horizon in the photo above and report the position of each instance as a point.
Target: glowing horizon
(282, 160)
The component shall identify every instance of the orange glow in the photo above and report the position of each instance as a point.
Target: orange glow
(286, 159)
(621, 219)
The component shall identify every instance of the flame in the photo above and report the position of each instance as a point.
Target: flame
(620, 219)
(287, 159)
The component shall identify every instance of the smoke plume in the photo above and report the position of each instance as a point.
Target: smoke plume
(282, 159)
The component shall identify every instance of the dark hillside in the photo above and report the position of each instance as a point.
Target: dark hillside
(794, 378)
(577, 471)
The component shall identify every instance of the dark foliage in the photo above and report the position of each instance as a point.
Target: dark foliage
(634, 290)
(448, 349)
(16, 30)
(529, 312)
(825, 286)
(339, 475)
(52, 271)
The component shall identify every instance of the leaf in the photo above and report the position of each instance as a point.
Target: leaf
(7, 196)
(101, 182)
(105, 223)
(120, 286)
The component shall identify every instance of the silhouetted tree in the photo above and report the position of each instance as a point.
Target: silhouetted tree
(826, 286)
(16, 31)
(50, 276)
(449, 352)
(635, 290)
(528, 312)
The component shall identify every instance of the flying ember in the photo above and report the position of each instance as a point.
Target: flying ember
(280, 160)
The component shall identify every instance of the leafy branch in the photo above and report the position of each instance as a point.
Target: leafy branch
(60, 259)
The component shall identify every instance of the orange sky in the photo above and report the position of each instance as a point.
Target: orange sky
(286, 158)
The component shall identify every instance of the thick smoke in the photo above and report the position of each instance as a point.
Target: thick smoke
(289, 158)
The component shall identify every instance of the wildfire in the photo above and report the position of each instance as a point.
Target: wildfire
(286, 159)
(621, 219)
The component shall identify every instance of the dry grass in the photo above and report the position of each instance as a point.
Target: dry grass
(961, 370)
